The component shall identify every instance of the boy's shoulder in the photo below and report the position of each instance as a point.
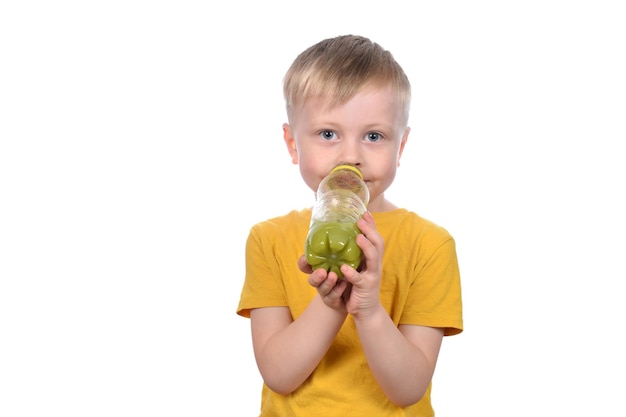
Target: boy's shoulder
(294, 219)
(280, 230)
(289, 217)
(408, 222)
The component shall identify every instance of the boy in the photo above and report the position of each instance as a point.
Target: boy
(367, 344)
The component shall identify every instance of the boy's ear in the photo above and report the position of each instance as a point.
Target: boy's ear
(291, 143)
(402, 143)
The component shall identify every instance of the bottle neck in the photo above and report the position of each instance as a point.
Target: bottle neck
(338, 206)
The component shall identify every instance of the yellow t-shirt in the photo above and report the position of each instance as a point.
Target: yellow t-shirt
(420, 285)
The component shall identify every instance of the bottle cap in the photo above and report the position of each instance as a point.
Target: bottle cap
(348, 167)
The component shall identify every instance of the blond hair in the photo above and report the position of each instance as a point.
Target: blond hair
(335, 69)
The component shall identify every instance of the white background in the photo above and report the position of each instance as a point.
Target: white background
(141, 140)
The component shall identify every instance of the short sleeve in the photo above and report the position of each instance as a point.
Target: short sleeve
(261, 287)
(434, 298)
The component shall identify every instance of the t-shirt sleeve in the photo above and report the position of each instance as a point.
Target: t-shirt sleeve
(434, 298)
(262, 286)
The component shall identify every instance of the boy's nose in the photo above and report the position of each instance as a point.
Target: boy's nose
(350, 152)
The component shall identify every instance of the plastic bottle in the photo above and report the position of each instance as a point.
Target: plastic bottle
(341, 199)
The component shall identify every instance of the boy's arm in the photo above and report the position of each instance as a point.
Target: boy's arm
(402, 358)
(287, 351)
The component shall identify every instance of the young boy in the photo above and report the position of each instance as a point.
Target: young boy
(367, 344)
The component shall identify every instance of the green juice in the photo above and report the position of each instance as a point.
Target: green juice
(331, 244)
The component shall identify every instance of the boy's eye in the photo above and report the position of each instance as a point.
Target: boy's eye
(327, 134)
(373, 137)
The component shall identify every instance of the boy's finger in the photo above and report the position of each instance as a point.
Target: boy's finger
(304, 266)
(317, 277)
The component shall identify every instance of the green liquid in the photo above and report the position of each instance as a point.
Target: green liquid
(332, 244)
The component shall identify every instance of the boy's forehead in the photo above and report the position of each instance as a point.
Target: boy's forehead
(330, 100)
(379, 103)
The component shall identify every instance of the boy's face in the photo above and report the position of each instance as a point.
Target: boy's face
(367, 131)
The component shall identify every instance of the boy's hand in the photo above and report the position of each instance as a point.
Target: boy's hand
(364, 296)
(329, 287)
